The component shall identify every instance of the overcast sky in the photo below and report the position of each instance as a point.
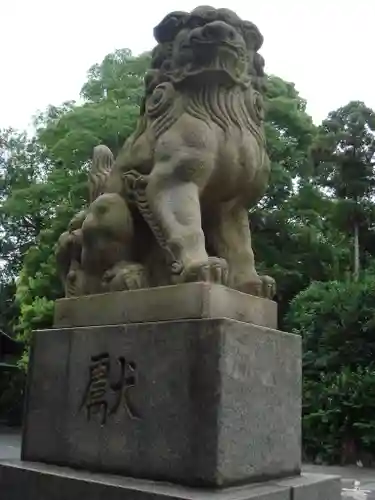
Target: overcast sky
(326, 47)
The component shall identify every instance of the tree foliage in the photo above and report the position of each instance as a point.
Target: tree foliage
(338, 418)
(65, 138)
(293, 237)
(344, 154)
(337, 323)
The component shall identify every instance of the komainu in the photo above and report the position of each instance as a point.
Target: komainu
(173, 206)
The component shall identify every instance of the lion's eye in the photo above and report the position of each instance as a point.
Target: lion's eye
(101, 209)
(158, 94)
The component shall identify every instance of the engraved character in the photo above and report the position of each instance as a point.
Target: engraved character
(105, 397)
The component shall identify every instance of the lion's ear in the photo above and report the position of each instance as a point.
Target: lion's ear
(229, 17)
(167, 30)
(259, 64)
(252, 36)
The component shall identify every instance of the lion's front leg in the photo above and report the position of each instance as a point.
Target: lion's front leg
(172, 193)
(175, 205)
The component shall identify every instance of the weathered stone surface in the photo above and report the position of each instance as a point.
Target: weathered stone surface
(313, 487)
(203, 402)
(47, 377)
(30, 481)
(176, 302)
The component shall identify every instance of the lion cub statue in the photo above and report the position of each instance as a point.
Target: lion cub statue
(173, 206)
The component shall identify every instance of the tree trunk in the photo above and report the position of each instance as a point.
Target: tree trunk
(356, 252)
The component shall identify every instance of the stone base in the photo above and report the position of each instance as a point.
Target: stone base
(212, 402)
(30, 481)
(165, 303)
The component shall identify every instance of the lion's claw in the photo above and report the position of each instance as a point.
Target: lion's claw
(214, 270)
(268, 287)
(126, 277)
(260, 286)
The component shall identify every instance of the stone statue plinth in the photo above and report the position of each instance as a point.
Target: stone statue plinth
(34, 481)
(207, 401)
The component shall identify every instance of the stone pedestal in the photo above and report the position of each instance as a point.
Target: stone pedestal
(28, 481)
(165, 303)
(201, 402)
(198, 399)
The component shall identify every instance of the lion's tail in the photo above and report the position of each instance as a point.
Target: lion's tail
(101, 166)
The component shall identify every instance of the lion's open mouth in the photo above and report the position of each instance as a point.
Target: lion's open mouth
(230, 49)
(215, 50)
(220, 57)
(199, 44)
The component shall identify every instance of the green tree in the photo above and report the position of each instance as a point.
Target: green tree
(22, 208)
(344, 154)
(337, 325)
(66, 136)
(111, 98)
(21, 198)
(8, 308)
(20, 222)
(294, 238)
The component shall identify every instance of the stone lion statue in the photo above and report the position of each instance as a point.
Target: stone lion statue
(173, 206)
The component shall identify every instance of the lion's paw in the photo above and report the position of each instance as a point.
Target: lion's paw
(260, 286)
(268, 287)
(75, 283)
(129, 276)
(213, 270)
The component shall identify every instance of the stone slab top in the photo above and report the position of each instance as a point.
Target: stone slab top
(166, 303)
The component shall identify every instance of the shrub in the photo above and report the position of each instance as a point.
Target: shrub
(337, 324)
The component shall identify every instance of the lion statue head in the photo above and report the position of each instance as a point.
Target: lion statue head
(206, 42)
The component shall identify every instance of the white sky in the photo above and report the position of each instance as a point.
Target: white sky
(326, 47)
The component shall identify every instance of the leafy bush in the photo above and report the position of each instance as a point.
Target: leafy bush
(338, 416)
(337, 324)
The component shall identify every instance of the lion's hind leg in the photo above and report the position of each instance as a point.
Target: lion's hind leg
(229, 237)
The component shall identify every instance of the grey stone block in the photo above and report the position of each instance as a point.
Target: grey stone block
(313, 487)
(168, 303)
(200, 402)
(33, 481)
(49, 386)
(26, 481)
